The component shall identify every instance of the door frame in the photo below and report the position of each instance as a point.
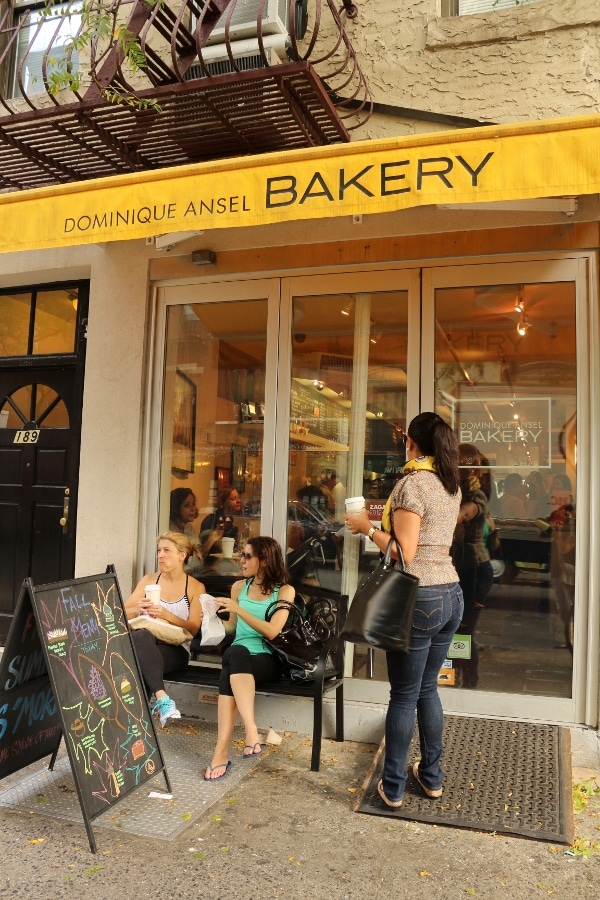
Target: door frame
(422, 279)
(582, 706)
(51, 363)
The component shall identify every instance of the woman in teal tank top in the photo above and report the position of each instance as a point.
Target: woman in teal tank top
(249, 661)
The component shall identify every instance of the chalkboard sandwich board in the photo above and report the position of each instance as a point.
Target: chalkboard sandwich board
(95, 689)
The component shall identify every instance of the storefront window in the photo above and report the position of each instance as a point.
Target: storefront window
(213, 422)
(505, 379)
(347, 417)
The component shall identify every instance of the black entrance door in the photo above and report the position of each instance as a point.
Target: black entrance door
(40, 430)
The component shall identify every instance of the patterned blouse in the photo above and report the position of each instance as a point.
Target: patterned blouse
(423, 493)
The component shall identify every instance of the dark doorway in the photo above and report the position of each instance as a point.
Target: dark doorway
(40, 430)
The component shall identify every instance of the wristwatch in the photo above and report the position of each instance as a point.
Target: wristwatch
(371, 532)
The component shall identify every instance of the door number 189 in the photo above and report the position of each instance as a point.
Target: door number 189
(26, 437)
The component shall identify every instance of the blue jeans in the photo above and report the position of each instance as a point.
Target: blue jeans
(476, 585)
(413, 685)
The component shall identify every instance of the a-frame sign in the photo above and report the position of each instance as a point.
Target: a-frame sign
(69, 668)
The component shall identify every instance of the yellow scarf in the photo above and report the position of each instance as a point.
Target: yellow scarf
(473, 484)
(421, 464)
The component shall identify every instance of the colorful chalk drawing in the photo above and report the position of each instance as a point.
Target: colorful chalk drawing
(107, 724)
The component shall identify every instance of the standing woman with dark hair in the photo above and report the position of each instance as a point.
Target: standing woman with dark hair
(470, 555)
(249, 661)
(424, 509)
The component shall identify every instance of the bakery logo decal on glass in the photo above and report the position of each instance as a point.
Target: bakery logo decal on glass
(509, 433)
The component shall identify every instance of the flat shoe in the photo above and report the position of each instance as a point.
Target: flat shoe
(428, 791)
(226, 766)
(395, 804)
(253, 750)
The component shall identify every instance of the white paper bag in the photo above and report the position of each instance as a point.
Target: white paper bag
(213, 630)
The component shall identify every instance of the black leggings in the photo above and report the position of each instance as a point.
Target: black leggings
(157, 659)
(237, 660)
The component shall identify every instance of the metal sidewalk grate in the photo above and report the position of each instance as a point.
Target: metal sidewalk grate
(186, 747)
(510, 777)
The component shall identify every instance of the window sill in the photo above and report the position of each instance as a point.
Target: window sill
(518, 23)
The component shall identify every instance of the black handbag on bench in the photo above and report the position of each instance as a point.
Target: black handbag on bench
(381, 613)
(303, 639)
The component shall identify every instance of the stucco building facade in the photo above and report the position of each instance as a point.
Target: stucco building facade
(377, 279)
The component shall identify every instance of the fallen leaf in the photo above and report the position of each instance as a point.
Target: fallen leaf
(425, 874)
(186, 817)
(92, 870)
(199, 856)
(352, 790)
(37, 841)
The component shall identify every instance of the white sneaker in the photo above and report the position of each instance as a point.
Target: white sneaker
(166, 709)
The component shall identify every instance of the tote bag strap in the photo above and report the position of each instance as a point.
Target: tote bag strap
(387, 559)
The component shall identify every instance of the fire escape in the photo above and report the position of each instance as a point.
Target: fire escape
(229, 78)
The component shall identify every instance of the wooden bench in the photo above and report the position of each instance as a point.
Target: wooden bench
(204, 669)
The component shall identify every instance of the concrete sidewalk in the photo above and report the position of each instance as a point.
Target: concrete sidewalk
(286, 831)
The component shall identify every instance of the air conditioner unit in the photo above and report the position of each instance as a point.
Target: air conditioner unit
(247, 56)
(244, 20)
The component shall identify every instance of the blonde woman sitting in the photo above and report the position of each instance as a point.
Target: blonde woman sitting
(179, 604)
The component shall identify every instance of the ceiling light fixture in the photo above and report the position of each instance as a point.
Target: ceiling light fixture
(523, 326)
(348, 307)
(519, 305)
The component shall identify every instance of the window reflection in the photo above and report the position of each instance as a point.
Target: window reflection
(55, 322)
(347, 417)
(505, 378)
(44, 39)
(39, 322)
(35, 406)
(214, 407)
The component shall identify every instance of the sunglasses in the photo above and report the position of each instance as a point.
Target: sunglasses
(247, 555)
(404, 439)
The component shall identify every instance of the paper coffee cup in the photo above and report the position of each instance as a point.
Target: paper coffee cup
(152, 592)
(227, 544)
(354, 504)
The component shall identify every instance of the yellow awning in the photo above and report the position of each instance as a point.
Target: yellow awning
(508, 162)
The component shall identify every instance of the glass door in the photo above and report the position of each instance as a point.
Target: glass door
(502, 366)
(280, 398)
(350, 342)
(215, 456)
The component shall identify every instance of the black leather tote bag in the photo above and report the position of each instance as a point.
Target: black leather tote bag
(305, 637)
(381, 613)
